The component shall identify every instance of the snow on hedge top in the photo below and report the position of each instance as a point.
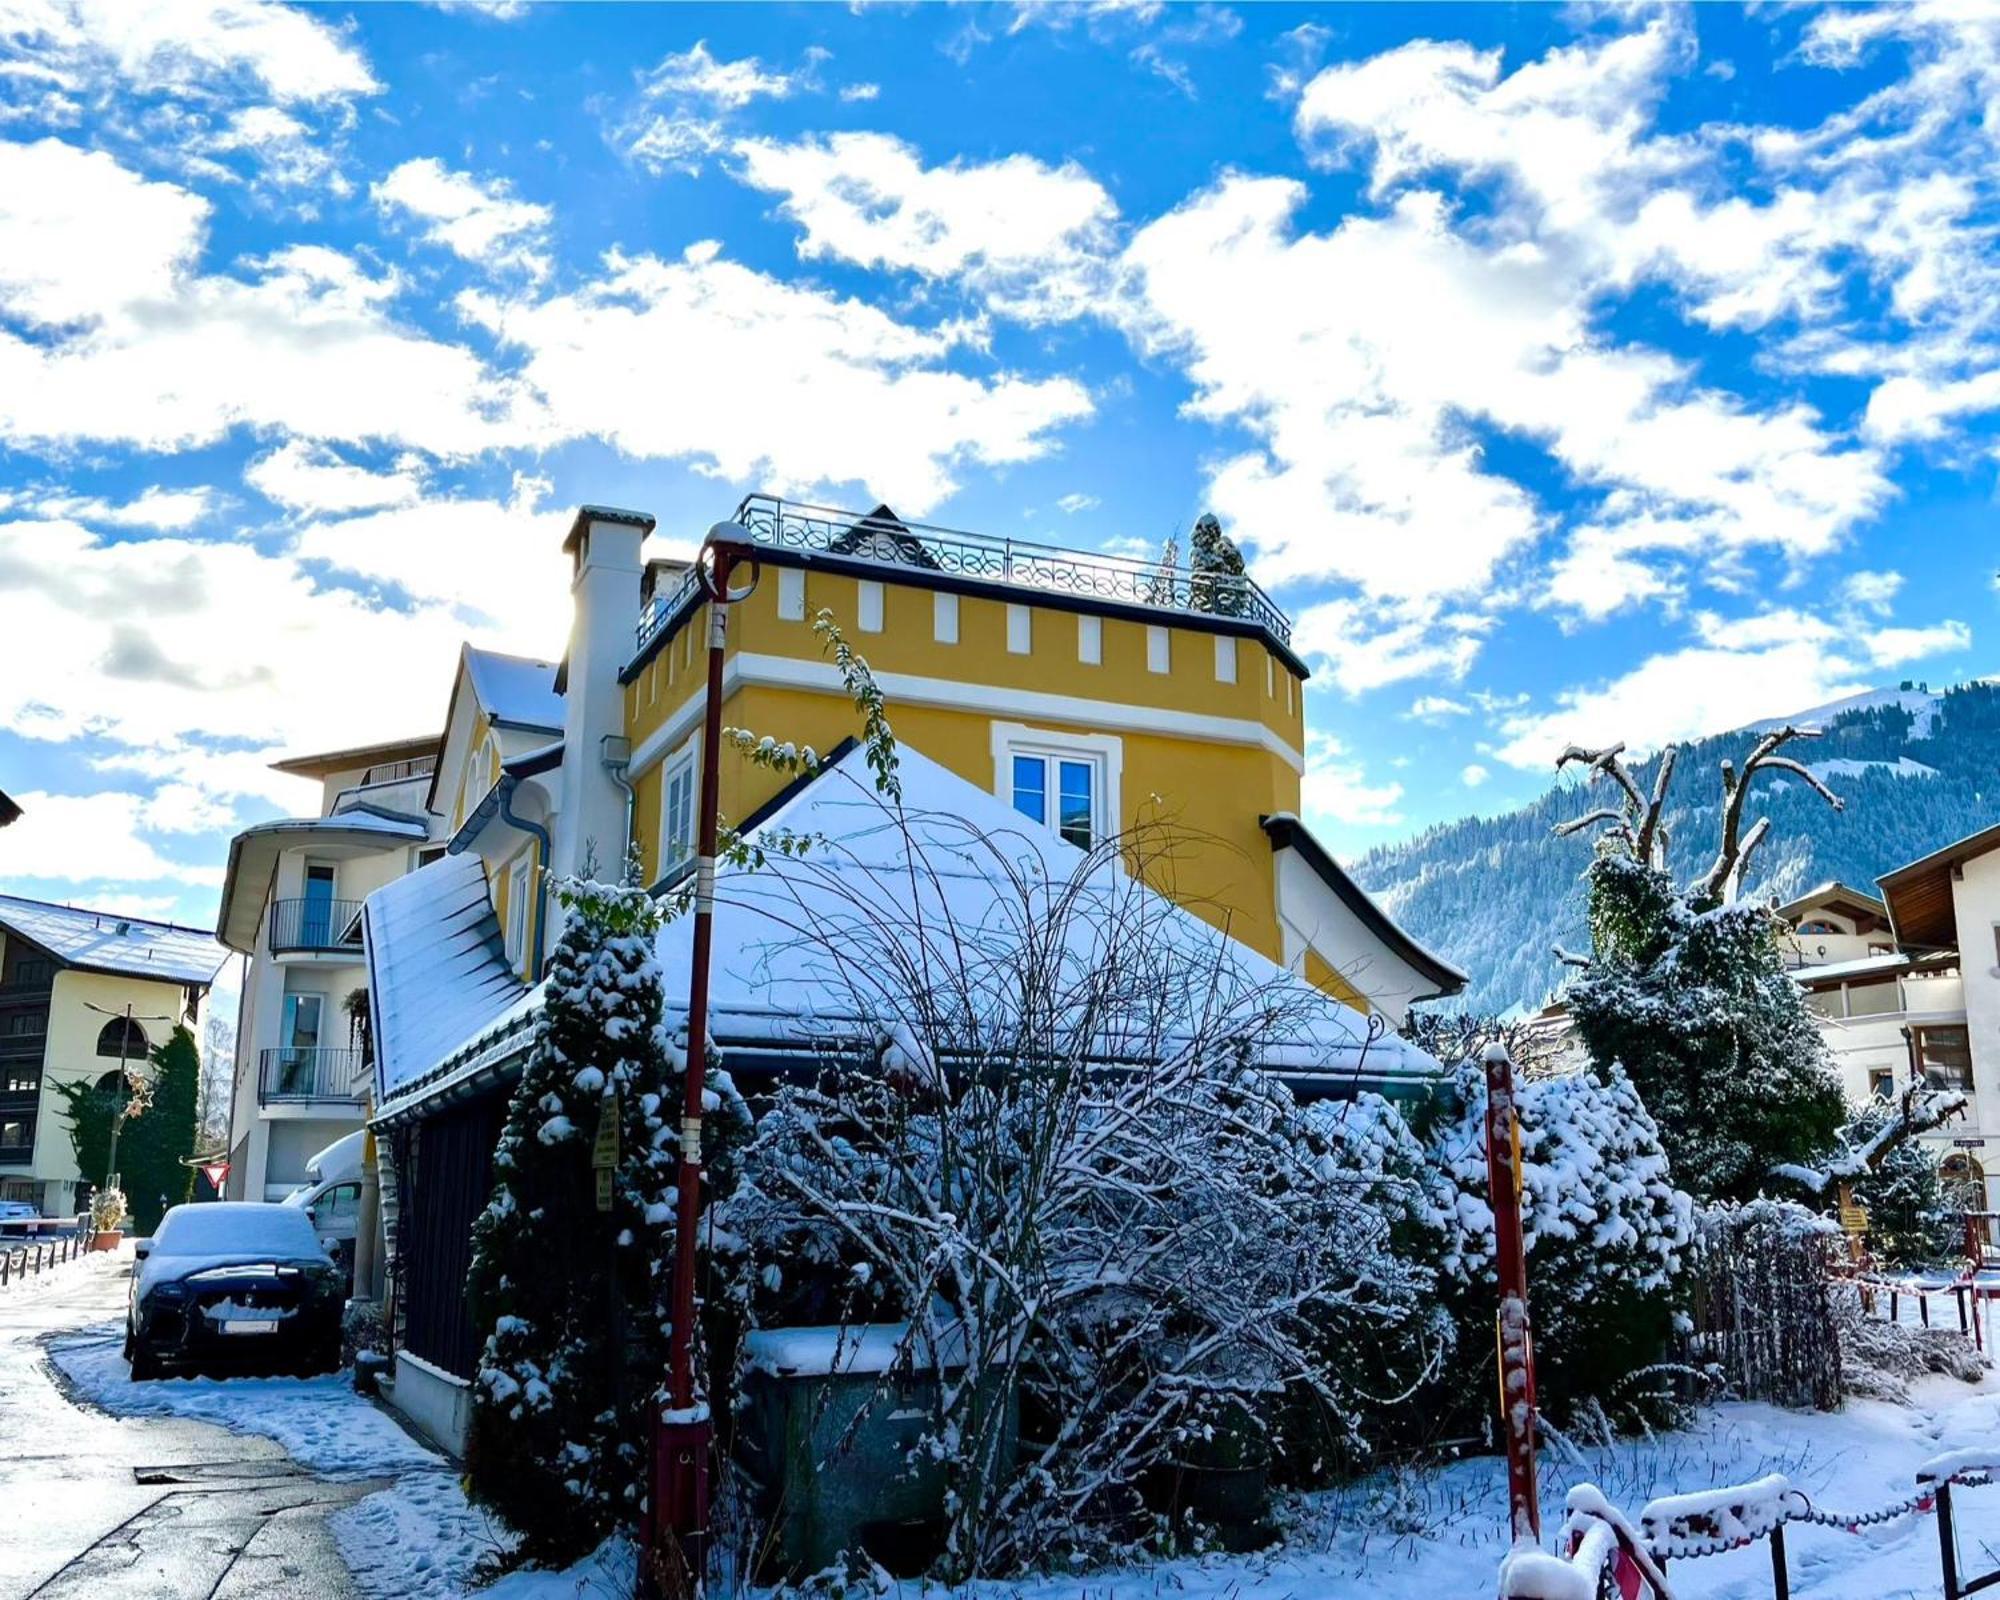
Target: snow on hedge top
(960, 885)
(437, 967)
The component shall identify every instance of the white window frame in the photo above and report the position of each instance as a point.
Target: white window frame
(520, 880)
(1159, 649)
(681, 765)
(944, 617)
(1090, 640)
(1225, 658)
(1104, 752)
(1020, 630)
(868, 606)
(791, 594)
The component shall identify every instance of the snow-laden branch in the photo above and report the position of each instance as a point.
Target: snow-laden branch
(1920, 1111)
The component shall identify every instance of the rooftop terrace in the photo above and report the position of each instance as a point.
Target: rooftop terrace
(881, 538)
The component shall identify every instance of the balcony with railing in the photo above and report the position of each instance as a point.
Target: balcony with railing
(316, 927)
(917, 547)
(294, 1073)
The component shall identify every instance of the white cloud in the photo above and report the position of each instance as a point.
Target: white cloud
(69, 837)
(171, 510)
(1336, 786)
(1070, 504)
(188, 48)
(1871, 591)
(430, 547)
(752, 378)
(1355, 647)
(1472, 775)
(852, 92)
(285, 149)
(147, 351)
(1437, 705)
(479, 221)
(301, 476)
(1032, 239)
(1738, 671)
(729, 85)
(193, 661)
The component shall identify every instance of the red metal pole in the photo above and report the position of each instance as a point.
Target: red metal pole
(1517, 1353)
(687, 1430)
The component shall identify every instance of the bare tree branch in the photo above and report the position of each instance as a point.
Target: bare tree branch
(1734, 847)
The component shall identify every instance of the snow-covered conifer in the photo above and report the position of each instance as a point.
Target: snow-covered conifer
(577, 1299)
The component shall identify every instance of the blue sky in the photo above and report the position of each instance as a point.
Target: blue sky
(1567, 374)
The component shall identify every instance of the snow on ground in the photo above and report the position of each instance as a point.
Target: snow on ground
(321, 1422)
(96, 1261)
(418, 1539)
(1410, 1535)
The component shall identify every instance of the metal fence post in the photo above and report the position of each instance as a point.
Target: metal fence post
(1781, 1580)
(1947, 1543)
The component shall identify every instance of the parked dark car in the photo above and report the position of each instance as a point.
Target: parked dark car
(234, 1284)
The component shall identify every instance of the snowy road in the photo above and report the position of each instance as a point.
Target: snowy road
(143, 1506)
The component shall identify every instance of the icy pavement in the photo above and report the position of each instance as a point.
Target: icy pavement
(156, 1507)
(417, 1538)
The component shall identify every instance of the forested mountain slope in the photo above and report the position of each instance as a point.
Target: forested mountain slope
(1493, 894)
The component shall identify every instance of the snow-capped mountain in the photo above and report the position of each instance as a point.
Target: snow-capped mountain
(1493, 894)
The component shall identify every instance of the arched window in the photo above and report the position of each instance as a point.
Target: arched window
(124, 1038)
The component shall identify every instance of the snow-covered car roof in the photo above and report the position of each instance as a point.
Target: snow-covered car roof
(227, 1233)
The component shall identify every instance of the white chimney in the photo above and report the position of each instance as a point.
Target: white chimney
(604, 544)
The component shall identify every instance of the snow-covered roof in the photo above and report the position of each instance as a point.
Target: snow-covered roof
(106, 941)
(953, 882)
(515, 690)
(437, 967)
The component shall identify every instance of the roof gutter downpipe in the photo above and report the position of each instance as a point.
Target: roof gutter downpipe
(617, 757)
(541, 837)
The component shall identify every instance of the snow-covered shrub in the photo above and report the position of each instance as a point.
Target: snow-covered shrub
(108, 1210)
(1911, 1221)
(1879, 1359)
(577, 1301)
(1697, 1007)
(1604, 1225)
(1063, 1168)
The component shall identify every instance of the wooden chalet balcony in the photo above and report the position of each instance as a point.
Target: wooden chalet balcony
(917, 547)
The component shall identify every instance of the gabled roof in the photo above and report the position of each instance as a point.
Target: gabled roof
(515, 691)
(437, 966)
(106, 941)
(1287, 832)
(1866, 909)
(799, 972)
(1896, 964)
(1919, 895)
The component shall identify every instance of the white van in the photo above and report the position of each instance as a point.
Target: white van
(332, 1194)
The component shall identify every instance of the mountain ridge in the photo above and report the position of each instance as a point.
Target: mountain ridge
(1493, 894)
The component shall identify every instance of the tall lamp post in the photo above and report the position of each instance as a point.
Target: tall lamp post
(686, 1429)
(124, 1074)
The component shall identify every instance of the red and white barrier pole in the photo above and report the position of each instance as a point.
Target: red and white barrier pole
(1515, 1337)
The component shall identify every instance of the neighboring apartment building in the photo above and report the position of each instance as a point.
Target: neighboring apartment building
(291, 902)
(67, 978)
(1891, 1005)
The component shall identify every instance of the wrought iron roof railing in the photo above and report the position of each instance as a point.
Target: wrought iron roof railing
(1005, 563)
